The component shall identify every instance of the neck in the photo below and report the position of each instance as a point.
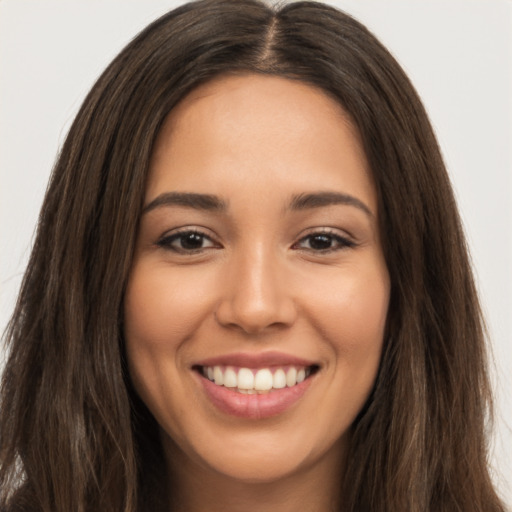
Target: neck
(196, 487)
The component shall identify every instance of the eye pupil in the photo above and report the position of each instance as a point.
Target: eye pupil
(320, 242)
(191, 241)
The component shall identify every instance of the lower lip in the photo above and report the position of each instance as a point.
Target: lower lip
(254, 406)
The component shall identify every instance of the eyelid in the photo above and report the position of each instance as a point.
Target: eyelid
(170, 236)
(341, 240)
(345, 241)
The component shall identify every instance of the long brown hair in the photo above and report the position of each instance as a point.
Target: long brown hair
(74, 435)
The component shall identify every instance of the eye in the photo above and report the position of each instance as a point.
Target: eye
(323, 241)
(187, 241)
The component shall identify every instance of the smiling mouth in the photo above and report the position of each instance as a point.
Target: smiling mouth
(251, 381)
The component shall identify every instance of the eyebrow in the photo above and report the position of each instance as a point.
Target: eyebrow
(211, 202)
(207, 202)
(321, 199)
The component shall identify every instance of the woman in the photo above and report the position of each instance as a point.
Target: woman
(249, 288)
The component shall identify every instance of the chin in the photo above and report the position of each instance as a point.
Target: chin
(265, 457)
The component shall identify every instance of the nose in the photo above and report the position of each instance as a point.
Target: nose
(256, 294)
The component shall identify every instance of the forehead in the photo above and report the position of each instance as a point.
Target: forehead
(259, 129)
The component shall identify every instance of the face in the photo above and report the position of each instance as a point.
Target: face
(257, 299)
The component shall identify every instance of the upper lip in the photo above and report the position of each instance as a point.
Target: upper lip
(256, 360)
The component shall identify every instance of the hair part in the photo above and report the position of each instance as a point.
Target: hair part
(75, 436)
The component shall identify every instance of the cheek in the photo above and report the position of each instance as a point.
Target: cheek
(355, 328)
(351, 319)
(162, 307)
(353, 310)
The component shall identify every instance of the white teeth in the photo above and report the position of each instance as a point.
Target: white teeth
(245, 379)
(291, 377)
(230, 380)
(263, 380)
(218, 376)
(279, 379)
(249, 381)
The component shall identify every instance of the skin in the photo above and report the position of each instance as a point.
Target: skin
(258, 282)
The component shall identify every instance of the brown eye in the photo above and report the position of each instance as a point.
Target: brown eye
(191, 241)
(186, 241)
(324, 242)
(321, 242)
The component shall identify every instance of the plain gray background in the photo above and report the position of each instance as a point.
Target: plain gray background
(458, 54)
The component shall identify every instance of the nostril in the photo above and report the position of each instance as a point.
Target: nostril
(254, 320)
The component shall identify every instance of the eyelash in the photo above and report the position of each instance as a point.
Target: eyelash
(167, 241)
(340, 241)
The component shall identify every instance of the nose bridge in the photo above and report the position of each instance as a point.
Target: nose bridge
(256, 295)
